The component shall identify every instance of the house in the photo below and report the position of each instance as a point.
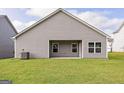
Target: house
(118, 40)
(61, 34)
(7, 31)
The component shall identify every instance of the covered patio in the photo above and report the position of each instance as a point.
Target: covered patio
(65, 48)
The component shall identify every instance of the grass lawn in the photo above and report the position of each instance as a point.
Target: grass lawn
(64, 71)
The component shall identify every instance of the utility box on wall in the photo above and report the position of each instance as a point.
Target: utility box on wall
(25, 55)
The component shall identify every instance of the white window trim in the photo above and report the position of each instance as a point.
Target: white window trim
(91, 47)
(72, 47)
(52, 47)
(95, 47)
(98, 47)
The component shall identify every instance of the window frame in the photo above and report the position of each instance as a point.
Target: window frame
(91, 47)
(95, 48)
(57, 48)
(98, 47)
(73, 47)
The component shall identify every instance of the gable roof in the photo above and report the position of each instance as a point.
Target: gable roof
(67, 13)
(9, 23)
(118, 30)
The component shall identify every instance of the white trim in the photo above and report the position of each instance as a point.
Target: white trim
(98, 47)
(38, 22)
(67, 13)
(106, 49)
(86, 24)
(58, 47)
(48, 49)
(91, 47)
(14, 48)
(82, 49)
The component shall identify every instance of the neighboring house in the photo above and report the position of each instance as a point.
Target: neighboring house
(118, 40)
(61, 34)
(7, 31)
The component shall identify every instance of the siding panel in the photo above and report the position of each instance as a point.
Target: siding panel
(58, 27)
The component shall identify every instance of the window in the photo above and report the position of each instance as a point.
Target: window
(74, 47)
(94, 47)
(55, 47)
(98, 47)
(91, 47)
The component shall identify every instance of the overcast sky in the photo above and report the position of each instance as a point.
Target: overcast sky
(106, 19)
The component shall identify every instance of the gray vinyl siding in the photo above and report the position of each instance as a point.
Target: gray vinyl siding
(58, 27)
(6, 42)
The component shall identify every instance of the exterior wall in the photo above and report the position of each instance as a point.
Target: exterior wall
(6, 42)
(103, 53)
(118, 41)
(65, 49)
(58, 27)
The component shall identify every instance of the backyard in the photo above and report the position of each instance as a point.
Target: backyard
(64, 71)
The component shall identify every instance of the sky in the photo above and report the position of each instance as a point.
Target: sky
(106, 19)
